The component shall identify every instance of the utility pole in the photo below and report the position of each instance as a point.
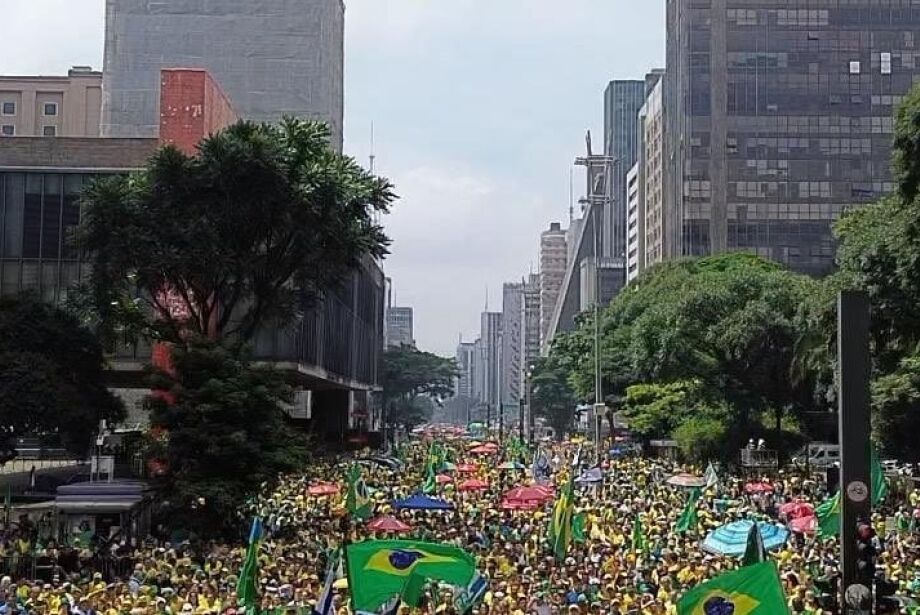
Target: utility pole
(521, 419)
(854, 425)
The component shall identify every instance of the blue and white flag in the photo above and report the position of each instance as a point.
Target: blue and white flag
(471, 595)
(324, 604)
(541, 467)
(592, 476)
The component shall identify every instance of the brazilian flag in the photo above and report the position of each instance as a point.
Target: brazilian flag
(248, 586)
(357, 501)
(688, 519)
(378, 570)
(752, 590)
(560, 524)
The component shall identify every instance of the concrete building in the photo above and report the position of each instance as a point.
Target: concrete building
(466, 364)
(553, 261)
(530, 321)
(779, 119)
(622, 101)
(272, 57)
(490, 340)
(652, 188)
(331, 354)
(68, 106)
(399, 327)
(512, 357)
(635, 222)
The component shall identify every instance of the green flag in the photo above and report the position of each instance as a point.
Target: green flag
(357, 501)
(560, 525)
(828, 515)
(379, 570)
(578, 528)
(752, 590)
(639, 544)
(879, 485)
(247, 587)
(755, 553)
(431, 482)
(688, 519)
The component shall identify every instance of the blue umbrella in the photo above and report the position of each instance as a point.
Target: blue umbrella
(731, 540)
(419, 501)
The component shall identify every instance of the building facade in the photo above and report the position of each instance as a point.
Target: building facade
(779, 119)
(466, 366)
(651, 177)
(553, 261)
(272, 58)
(530, 321)
(68, 106)
(635, 222)
(490, 340)
(400, 330)
(622, 101)
(512, 357)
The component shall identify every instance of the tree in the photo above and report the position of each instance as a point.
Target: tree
(656, 410)
(262, 221)
(226, 434)
(552, 396)
(410, 379)
(896, 410)
(51, 375)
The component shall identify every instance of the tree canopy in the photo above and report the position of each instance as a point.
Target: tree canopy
(51, 375)
(261, 221)
(410, 379)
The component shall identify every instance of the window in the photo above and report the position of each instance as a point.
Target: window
(855, 67)
(50, 108)
(9, 108)
(886, 63)
(7, 130)
(49, 131)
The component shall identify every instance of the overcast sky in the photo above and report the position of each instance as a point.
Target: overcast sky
(479, 107)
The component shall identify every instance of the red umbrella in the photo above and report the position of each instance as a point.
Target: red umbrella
(758, 487)
(527, 495)
(473, 484)
(797, 510)
(388, 524)
(323, 489)
(467, 468)
(443, 478)
(519, 505)
(804, 525)
(483, 450)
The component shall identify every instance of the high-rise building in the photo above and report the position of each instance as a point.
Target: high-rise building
(477, 386)
(512, 357)
(466, 366)
(779, 119)
(399, 327)
(651, 177)
(553, 260)
(622, 101)
(284, 57)
(635, 222)
(490, 368)
(530, 322)
(67, 106)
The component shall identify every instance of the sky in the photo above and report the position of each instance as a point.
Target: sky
(478, 107)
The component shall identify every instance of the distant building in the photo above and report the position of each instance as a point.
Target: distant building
(635, 223)
(530, 321)
(652, 178)
(399, 327)
(67, 106)
(490, 366)
(512, 357)
(779, 120)
(467, 361)
(284, 57)
(553, 260)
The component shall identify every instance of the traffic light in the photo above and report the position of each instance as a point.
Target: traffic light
(865, 553)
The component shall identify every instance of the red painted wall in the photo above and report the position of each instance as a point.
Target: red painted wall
(192, 106)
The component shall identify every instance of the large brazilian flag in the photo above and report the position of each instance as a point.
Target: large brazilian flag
(378, 570)
(752, 590)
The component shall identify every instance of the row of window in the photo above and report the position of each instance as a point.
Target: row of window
(9, 108)
(9, 130)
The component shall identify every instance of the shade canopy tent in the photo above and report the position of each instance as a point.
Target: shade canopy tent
(419, 501)
(687, 481)
(323, 489)
(731, 539)
(388, 524)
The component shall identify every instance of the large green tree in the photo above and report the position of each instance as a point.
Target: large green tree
(552, 397)
(51, 375)
(411, 379)
(250, 230)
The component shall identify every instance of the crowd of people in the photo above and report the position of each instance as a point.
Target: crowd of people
(602, 573)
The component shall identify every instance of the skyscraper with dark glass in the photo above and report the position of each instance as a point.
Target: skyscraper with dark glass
(778, 116)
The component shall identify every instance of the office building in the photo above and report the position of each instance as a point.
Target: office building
(490, 340)
(651, 188)
(39, 106)
(399, 327)
(622, 101)
(553, 260)
(530, 321)
(635, 222)
(467, 360)
(779, 119)
(512, 357)
(284, 57)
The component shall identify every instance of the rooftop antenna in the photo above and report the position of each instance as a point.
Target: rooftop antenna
(372, 157)
(571, 194)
